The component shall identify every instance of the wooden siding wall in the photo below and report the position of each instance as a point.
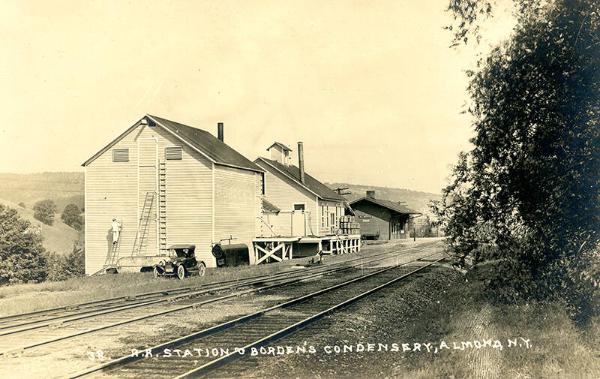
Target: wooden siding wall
(373, 220)
(277, 154)
(238, 205)
(399, 227)
(260, 191)
(329, 208)
(284, 193)
(112, 191)
(188, 198)
(147, 182)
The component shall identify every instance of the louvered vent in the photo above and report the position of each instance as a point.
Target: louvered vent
(173, 153)
(120, 155)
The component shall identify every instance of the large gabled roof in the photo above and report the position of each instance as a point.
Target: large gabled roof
(393, 206)
(311, 184)
(200, 140)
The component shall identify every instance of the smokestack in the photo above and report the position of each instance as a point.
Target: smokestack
(301, 160)
(221, 132)
(371, 194)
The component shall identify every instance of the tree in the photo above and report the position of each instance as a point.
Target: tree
(71, 216)
(74, 265)
(527, 195)
(44, 211)
(63, 267)
(21, 250)
(54, 266)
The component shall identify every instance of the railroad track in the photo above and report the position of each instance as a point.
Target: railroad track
(65, 327)
(48, 317)
(254, 330)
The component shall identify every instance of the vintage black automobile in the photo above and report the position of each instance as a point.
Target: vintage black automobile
(180, 262)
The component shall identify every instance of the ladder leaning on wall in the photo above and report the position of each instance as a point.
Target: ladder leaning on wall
(113, 255)
(162, 208)
(142, 230)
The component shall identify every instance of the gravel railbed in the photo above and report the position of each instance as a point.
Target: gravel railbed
(404, 313)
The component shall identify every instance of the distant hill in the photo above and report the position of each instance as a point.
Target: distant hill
(61, 187)
(68, 187)
(416, 200)
(58, 238)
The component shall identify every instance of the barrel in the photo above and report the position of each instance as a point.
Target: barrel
(231, 255)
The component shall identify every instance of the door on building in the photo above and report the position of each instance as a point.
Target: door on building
(299, 220)
(147, 241)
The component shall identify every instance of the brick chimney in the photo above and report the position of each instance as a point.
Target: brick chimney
(221, 132)
(301, 160)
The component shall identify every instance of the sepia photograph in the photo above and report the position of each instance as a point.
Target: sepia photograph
(300, 189)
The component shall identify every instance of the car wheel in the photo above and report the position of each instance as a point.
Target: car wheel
(156, 273)
(201, 269)
(181, 272)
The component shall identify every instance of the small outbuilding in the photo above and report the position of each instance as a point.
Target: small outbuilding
(382, 219)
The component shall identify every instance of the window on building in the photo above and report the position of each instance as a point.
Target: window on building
(323, 217)
(299, 207)
(173, 153)
(120, 155)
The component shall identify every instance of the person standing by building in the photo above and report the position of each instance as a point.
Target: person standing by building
(116, 231)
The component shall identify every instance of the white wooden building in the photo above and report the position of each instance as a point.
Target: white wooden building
(167, 183)
(307, 206)
(299, 210)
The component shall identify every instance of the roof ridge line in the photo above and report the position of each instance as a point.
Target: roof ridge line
(271, 162)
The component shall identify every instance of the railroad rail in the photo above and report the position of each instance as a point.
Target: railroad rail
(57, 331)
(254, 330)
(80, 311)
(53, 314)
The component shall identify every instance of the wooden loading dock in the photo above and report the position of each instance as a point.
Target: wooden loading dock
(278, 249)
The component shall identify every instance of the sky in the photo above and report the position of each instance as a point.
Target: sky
(371, 87)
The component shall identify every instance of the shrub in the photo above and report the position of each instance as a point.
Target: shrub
(527, 193)
(44, 211)
(71, 216)
(62, 267)
(74, 264)
(21, 250)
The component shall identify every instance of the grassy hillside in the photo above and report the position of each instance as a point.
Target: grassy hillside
(416, 200)
(58, 238)
(61, 187)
